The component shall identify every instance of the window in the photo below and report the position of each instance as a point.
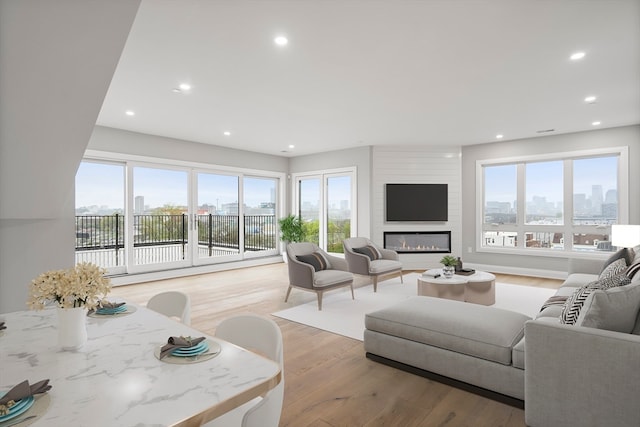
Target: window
(137, 217)
(552, 204)
(324, 203)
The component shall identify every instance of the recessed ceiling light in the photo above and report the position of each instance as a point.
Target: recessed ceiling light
(281, 41)
(226, 133)
(590, 99)
(577, 55)
(185, 86)
(130, 113)
(596, 123)
(292, 146)
(499, 136)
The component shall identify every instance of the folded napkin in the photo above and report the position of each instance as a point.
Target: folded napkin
(109, 304)
(21, 391)
(2, 326)
(174, 343)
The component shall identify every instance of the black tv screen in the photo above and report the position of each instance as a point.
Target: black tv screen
(417, 202)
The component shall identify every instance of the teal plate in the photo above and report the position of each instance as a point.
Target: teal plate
(19, 408)
(195, 350)
(108, 311)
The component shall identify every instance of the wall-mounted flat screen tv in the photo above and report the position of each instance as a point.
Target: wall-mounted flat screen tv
(417, 202)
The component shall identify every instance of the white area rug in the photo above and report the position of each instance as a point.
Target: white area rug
(344, 316)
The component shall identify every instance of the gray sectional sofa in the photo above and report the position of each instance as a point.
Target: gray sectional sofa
(586, 373)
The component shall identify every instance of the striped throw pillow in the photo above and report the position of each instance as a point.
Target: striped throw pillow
(573, 305)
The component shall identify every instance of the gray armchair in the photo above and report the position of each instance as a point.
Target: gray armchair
(368, 259)
(321, 272)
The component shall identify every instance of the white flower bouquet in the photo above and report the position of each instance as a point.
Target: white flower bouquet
(82, 286)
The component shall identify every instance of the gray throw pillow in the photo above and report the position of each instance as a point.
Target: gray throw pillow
(616, 267)
(625, 253)
(316, 259)
(613, 309)
(370, 251)
(571, 308)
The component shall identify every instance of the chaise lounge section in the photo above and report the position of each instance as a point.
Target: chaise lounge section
(562, 374)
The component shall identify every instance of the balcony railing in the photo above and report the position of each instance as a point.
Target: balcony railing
(164, 238)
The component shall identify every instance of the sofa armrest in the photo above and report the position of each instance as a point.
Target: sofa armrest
(580, 376)
(588, 266)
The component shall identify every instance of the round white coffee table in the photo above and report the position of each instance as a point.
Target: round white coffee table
(480, 288)
(477, 288)
(441, 287)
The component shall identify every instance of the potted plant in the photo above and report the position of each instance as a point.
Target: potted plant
(291, 230)
(449, 263)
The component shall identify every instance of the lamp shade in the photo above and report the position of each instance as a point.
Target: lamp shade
(625, 235)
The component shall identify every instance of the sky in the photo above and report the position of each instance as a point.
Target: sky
(103, 185)
(100, 184)
(543, 178)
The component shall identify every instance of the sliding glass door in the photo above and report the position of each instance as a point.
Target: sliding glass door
(324, 202)
(160, 221)
(139, 217)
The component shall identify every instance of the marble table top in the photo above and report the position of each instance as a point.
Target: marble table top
(115, 379)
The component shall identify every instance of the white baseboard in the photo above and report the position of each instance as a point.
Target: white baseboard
(518, 271)
(129, 279)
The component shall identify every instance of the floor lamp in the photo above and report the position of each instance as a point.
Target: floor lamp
(625, 235)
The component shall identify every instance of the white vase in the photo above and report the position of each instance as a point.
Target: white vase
(72, 327)
(447, 271)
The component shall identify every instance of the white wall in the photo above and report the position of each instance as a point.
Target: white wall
(416, 165)
(535, 265)
(140, 144)
(57, 61)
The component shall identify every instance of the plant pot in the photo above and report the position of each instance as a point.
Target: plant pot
(72, 327)
(448, 271)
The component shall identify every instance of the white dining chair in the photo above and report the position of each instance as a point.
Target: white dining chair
(172, 304)
(261, 335)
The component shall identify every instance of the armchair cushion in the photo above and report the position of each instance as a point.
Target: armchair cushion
(316, 259)
(371, 251)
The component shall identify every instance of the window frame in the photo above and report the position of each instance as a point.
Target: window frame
(568, 228)
(129, 161)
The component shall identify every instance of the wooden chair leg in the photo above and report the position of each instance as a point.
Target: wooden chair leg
(401, 278)
(352, 296)
(288, 292)
(375, 283)
(319, 301)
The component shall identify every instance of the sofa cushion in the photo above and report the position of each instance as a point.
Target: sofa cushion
(613, 309)
(316, 259)
(616, 267)
(571, 309)
(625, 253)
(575, 280)
(518, 355)
(476, 330)
(371, 251)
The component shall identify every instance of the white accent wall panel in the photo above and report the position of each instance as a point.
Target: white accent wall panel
(417, 165)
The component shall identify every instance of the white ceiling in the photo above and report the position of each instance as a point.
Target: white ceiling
(375, 72)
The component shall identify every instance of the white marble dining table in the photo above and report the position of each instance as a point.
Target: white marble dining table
(116, 380)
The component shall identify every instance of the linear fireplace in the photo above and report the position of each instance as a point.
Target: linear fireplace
(418, 242)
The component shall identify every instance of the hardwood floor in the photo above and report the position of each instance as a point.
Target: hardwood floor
(328, 380)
